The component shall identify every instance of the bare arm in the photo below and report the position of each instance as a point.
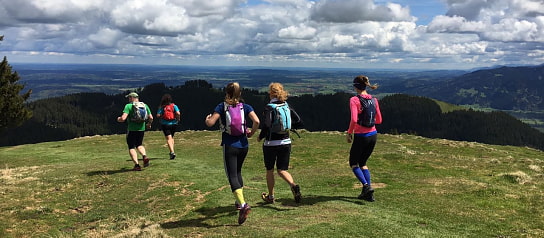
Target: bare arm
(122, 118)
(211, 119)
(256, 123)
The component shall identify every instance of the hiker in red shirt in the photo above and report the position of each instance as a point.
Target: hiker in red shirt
(170, 115)
(365, 113)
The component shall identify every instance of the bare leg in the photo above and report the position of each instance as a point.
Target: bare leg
(133, 155)
(294, 187)
(286, 176)
(141, 149)
(270, 181)
(170, 142)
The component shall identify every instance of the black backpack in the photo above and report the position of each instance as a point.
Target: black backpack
(367, 117)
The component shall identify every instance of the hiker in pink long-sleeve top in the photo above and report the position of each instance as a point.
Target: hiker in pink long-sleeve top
(362, 133)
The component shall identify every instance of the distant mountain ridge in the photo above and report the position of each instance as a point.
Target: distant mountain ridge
(89, 113)
(503, 88)
(85, 114)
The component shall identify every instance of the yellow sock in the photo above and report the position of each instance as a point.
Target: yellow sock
(239, 195)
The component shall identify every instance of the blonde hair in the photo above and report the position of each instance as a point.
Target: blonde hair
(276, 91)
(362, 81)
(233, 93)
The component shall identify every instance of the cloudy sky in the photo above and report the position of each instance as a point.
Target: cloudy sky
(407, 34)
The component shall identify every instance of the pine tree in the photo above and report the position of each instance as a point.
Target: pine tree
(13, 111)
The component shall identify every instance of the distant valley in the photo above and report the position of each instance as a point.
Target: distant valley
(71, 101)
(48, 81)
(516, 90)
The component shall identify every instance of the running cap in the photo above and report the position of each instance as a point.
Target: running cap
(133, 94)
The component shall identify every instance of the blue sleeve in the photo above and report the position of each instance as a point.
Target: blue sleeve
(248, 108)
(160, 111)
(176, 108)
(219, 108)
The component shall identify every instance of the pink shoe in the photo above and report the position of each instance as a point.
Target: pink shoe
(243, 213)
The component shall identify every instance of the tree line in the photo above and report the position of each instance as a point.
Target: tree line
(85, 114)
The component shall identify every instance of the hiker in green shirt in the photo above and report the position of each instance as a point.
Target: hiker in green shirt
(138, 117)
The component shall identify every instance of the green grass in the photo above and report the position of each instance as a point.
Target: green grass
(448, 107)
(424, 188)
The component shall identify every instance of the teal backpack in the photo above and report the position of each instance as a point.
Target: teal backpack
(281, 118)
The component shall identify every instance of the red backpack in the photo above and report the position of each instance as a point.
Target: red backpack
(168, 112)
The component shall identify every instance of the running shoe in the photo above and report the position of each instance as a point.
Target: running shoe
(296, 193)
(137, 168)
(266, 198)
(237, 205)
(146, 161)
(172, 155)
(243, 213)
(367, 194)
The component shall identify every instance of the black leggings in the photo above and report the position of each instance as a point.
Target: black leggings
(233, 159)
(361, 149)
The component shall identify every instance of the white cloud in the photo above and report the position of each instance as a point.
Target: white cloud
(514, 30)
(344, 41)
(105, 37)
(297, 32)
(335, 32)
(150, 17)
(500, 20)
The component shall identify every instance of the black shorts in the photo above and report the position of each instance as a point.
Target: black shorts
(135, 139)
(169, 129)
(361, 149)
(277, 155)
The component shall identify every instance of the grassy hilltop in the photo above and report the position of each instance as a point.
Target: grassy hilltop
(424, 188)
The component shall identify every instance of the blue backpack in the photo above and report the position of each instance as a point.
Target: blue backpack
(281, 118)
(367, 117)
(235, 123)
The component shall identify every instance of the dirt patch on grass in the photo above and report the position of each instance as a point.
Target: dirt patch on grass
(461, 144)
(535, 168)
(15, 176)
(445, 185)
(518, 177)
(132, 227)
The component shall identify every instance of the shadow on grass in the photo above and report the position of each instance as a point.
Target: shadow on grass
(228, 211)
(109, 172)
(208, 214)
(308, 200)
(140, 159)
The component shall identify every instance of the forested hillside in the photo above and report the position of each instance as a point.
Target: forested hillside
(422, 116)
(86, 114)
(504, 88)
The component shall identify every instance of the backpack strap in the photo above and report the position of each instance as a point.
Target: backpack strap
(295, 131)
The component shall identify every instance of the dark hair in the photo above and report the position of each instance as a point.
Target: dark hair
(166, 99)
(361, 82)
